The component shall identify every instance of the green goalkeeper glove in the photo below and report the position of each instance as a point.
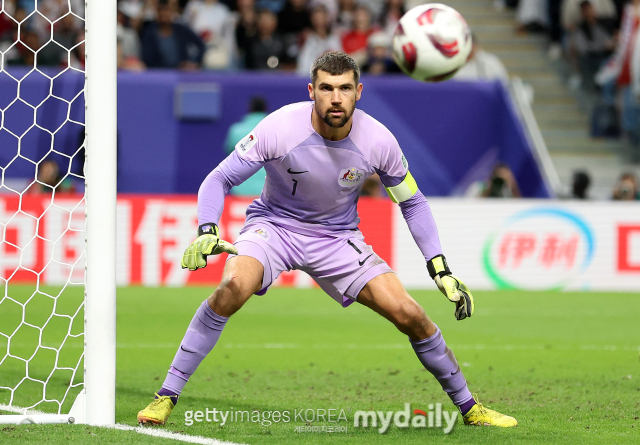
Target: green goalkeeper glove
(207, 243)
(451, 286)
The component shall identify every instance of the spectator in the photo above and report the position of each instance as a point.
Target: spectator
(293, 18)
(532, 15)
(501, 183)
(392, 12)
(214, 23)
(26, 48)
(166, 44)
(149, 12)
(128, 43)
(257, 111)
(354, 42)
(65, 35)
(591, 43)
(52, 10)
(320, 40)
(380, 60)
(133, 11)
(49, 179)
(266, 50)
(618, 73)
(555, 29)
(345, 13)
(293, 22)
(627, 188)
(274, 6)
(246, 27)
(581, 183)
(331, 6)
(128, 63)
(572, 14)
(9, 30)
(65, 32)
(6, 24)
(482, 65)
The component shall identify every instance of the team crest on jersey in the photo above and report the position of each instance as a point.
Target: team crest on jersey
(350, 176)
(262, 233)
(246, 143)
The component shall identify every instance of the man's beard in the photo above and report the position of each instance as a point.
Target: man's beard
(343, 120)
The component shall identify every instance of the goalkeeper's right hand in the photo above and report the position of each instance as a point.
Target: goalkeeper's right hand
(207, 243)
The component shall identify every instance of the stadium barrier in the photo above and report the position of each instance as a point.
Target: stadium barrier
(452, 133)
(508, 244)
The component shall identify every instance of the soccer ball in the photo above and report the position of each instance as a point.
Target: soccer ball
(432, 42)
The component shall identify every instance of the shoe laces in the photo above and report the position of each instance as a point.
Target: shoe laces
(485, 410)
(160, 400)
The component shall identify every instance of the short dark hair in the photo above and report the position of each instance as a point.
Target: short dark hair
(581, 182)
(257, 104)
(585, 3)
(335, 63)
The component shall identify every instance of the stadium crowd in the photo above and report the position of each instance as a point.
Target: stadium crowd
(597, 39)
(600, 43)
(208, 34)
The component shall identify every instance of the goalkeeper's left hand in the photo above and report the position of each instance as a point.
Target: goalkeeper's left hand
(451, 286)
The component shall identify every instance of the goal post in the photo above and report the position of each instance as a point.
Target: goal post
(100, 195)
(80, 386)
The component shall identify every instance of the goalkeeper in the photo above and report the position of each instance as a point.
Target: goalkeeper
(317, 154)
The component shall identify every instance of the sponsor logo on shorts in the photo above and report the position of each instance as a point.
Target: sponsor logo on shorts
(262, 233)
(246, 143)
(350, 176)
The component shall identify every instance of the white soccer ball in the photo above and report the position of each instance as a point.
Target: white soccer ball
(432, 42)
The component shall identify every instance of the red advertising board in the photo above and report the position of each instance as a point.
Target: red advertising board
(44, 238)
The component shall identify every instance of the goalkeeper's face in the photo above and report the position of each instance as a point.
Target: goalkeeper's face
(335, 97)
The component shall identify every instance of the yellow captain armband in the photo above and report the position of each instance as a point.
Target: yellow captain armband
(403, 191)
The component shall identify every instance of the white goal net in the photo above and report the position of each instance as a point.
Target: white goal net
(45, 223)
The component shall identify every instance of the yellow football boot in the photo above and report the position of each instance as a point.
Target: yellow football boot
(157, 412)
(483, 416)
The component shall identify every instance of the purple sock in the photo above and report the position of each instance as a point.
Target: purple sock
(202, 334)
(439, 360)
(466, 406)
(166, 392)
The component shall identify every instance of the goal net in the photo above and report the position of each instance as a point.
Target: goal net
(57, 212)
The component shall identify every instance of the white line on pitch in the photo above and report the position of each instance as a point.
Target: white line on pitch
(171, 435)
(334, 346)
(20, 410)
(41, 417)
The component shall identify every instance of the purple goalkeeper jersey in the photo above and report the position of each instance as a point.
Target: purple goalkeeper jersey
(313, 184)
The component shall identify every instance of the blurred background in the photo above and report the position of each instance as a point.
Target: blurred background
(547, 104)
(547, 107)
(529, 159)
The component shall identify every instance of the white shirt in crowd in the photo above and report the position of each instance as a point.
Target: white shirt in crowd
(313, 48)
(215, 24)
(483, 66)
(533, 11)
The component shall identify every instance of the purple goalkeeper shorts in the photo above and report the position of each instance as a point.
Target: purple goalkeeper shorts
(341, 263)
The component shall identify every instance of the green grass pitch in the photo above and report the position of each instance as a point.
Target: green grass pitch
(566, 365)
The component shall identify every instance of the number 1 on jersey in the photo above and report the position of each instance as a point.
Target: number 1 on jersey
(295, 185)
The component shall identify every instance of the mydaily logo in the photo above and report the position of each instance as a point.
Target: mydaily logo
(404, 419)
(434, 417)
